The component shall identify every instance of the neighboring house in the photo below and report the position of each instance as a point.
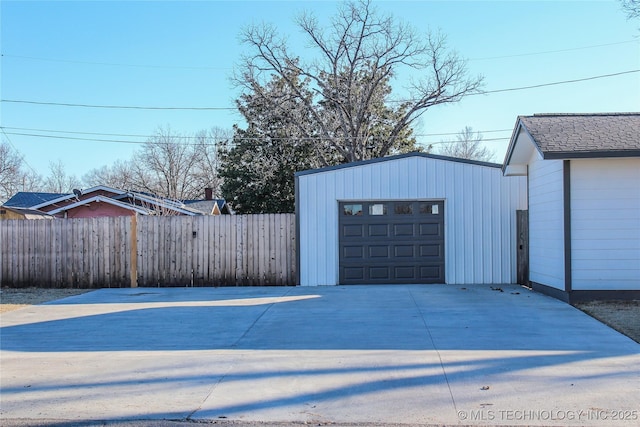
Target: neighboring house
(100, 201)
(20, 213)
(412, 218)
(209, 205)
(583, 179)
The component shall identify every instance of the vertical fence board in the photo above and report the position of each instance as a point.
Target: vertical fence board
(101, 252)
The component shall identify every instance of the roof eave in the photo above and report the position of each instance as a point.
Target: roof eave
(104, 199)
(53, 201)
(396, 157)
(594, 154)
(515, 137)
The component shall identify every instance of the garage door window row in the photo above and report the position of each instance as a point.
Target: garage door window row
(399, 208)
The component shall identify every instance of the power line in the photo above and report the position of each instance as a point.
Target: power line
(196, 137)
(60, 104)
(130, 107)
(552, 51)
(14, 147)
(115, 64)
(205, 67)
(231, 139)
(557, 83)
(73, 138)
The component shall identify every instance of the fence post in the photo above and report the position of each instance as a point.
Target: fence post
(134, 250)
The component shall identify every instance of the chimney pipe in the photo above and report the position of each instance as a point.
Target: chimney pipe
(208, 193)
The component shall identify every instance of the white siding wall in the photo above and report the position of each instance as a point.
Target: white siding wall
(480, 205)
(605, 224)
(546, 222)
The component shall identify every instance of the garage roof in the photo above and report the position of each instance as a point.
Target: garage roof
(396, 157)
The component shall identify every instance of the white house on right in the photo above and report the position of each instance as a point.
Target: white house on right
(583, 182)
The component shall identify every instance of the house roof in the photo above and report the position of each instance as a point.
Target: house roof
(68, 196)
(150, 202)
(27, 199)
(156, 203)
(564, 136)
(396, 157)
(206, 206)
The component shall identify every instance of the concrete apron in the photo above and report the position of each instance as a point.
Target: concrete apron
(427, 354)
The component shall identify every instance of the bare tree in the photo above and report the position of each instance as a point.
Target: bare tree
(357, 56)
(467, 145)
(207, 161)
(171, 165)
(58, 181)
(13, 175)
(119, 175)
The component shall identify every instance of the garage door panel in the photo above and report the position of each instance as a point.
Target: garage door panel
(432, 250)
(405, 272)
(353, 252)
(430, 229)
(402, 230)
(379, 273)
(391, 242)
(353, 273)
(403, 251)
(353, 230)
(430, 272)
(378, 230)
(380, 251)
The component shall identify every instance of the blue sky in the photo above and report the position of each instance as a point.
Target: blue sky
(181, 54)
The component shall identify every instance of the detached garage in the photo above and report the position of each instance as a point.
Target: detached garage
(413, 218)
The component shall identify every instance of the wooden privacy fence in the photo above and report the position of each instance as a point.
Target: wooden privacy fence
(223, 250)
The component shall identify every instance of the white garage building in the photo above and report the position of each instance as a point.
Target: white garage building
(413, 218)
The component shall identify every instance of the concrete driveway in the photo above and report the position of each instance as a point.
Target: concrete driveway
(360, 354)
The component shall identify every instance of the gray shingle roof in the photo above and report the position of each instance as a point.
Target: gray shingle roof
(205, 206)
(585, 135)
(27, 199)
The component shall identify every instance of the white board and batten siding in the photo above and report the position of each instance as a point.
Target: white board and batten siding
(546, 222)
(480, 213)
(605, 224)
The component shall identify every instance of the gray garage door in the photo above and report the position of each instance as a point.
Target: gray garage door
(391, 242)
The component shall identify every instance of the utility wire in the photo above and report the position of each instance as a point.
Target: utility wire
(204, 67)
(70, 61)
(225, 141)
(198, 137)
(60, 104)
(17, 151)
(557, 83)
(130, 107)
(517, 55)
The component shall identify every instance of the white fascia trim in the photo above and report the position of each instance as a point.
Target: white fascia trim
(103, 188)
(104, 199)
(70, 196)
(54, 201)
(161, 203)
